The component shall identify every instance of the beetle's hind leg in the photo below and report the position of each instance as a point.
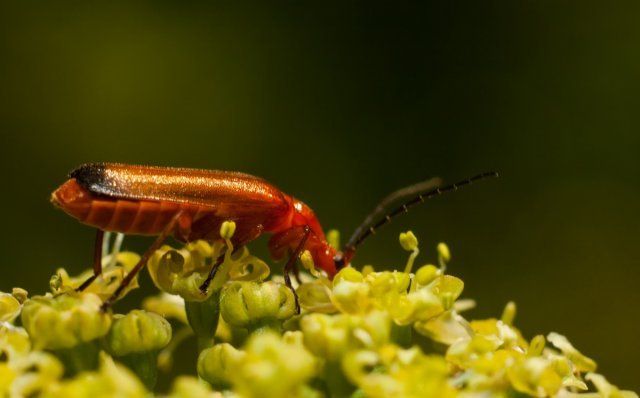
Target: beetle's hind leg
(168, 230)
(97, 261)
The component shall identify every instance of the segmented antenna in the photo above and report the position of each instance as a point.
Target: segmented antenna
(422, 191)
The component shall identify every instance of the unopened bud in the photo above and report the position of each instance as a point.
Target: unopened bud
(138, 331)
(251, 304)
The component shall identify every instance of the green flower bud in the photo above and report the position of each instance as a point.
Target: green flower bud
(64, 321)
(9, 307)
(216, 364)
(138, 331)
(135, 339)
(426, 274)
(408, 241)
(251, 304)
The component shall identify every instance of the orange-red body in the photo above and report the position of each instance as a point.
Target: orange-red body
(143, 200)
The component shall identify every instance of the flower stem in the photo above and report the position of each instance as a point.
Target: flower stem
(144, 365)
(203, 317)
(79, 358)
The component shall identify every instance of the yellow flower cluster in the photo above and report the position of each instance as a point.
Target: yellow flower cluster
(365, 333)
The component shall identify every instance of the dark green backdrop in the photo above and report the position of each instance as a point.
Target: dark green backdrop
(341, 104)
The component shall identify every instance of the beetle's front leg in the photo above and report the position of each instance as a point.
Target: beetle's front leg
(288, 268)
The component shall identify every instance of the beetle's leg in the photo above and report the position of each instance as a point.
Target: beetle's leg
(97, 261)
(288, 268)
(252, 234)
(168, 230)
(212, 273)
(295, 270)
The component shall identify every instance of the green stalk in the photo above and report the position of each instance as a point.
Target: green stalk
(80, 358)
(144, 365)
(401, 335)
(336, 381)
(203, 317)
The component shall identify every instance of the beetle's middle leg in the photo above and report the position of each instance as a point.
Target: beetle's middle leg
(212, 273)
(97, 261)
(291, 263)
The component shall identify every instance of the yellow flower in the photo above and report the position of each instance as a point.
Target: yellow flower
(64, 321)
(273, 367)
(189, 387)
(216, 364)
(315, 296)
(34, 373)
(111, 380)
(398, 372)
(330, 336)
(182, 272)
(581, 361)
(606, 389)
(167, 305)
(9, 307)
(106, 284)
(534, 376)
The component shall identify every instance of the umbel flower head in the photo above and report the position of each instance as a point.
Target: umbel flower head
(269, 365)
(365, 333)
(64, 321)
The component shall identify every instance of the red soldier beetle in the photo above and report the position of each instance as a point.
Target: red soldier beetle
(191, 204)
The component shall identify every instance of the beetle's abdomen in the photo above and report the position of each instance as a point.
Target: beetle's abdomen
(140, 217)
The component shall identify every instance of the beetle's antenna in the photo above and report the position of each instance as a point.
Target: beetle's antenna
(419, 193)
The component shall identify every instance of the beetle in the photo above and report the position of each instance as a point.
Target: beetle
(191, 204)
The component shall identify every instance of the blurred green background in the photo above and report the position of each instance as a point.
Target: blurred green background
(340, 104)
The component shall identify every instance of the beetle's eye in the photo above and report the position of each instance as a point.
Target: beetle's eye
(338, 260)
